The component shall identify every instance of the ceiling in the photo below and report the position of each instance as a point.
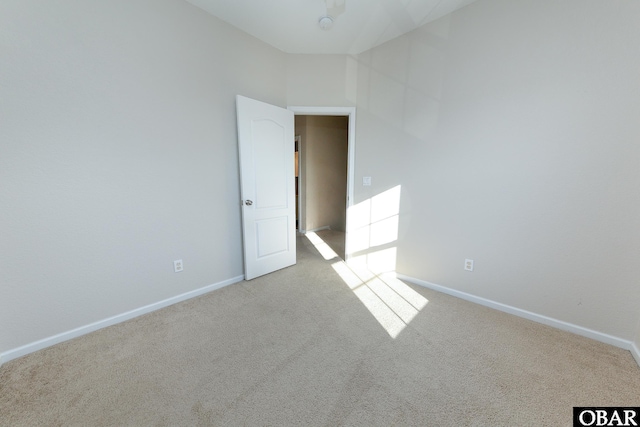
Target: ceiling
(292, 25)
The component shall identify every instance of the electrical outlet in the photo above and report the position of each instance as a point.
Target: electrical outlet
(468, 264)
(177, 266)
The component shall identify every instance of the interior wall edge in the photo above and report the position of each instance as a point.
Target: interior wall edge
(635, 352)
(110, 321)
(539, 318)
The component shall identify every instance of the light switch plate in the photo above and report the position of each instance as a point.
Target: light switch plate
(366, 180)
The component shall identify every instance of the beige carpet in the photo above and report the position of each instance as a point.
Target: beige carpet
(299, 348)
(335, 240)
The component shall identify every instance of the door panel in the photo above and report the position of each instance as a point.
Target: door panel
(270, 172)
(266, 146)
(272, 236)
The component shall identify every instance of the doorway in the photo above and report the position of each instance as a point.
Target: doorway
(325, 148)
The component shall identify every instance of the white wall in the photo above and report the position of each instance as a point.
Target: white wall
(319, 80)
(512, 128)
(118, 155)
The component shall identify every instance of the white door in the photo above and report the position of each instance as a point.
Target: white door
(266, 144)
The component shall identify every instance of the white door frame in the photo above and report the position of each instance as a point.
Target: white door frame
(298, 142)
(351, 144)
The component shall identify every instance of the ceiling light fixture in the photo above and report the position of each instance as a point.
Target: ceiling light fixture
(326, 23)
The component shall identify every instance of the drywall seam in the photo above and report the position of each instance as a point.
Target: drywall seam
(83, 330)
(559, 324)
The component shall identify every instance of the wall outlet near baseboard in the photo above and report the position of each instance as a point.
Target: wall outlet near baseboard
(468, 264)
(177, 266)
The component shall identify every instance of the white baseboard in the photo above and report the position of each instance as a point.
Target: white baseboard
(559, 324)
(83, 330)
(635, 352)
(326, 227)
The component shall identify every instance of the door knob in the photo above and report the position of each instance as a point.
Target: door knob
(248, 203)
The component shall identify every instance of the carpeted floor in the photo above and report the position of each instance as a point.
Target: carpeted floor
(335, 240)
(299, 348)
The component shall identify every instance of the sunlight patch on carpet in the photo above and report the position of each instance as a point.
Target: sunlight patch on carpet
(322, 247)
(393, 304)
(370, 271)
